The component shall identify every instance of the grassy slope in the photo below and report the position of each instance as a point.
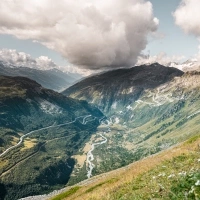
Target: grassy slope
(171, 174)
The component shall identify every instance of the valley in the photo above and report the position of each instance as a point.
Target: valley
(99, 100)
(40, 131)
(160, 117)
(138, 121)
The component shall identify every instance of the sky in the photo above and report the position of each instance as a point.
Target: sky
(94, 35)
(175, 41)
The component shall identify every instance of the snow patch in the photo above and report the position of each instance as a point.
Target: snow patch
(130, 90)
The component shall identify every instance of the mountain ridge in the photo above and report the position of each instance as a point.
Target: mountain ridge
(112, 84)
(52, 78)
(51, 127)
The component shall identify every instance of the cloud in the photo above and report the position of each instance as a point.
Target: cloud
(91, 34)
(161, 58)
(21, 59)
(187, 16)
(45, 63)
(13, 58)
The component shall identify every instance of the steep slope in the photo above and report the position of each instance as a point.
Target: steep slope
(122, 86)
(165, 112)
(40, 130)
(171, 174)
(52, 79)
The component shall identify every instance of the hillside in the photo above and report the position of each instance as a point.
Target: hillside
(52, 79)
(40, 130)
(172, 175)
(163, 114)
(121, 86)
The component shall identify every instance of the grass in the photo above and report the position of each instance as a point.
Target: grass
(67, 193)
(100, 184)
(193, 139)
(170, 175)
(28, 144)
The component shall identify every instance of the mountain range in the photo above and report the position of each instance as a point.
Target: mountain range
(52, 79)
(121, 87)
(149, 108)
(188, 65)
(99, 124)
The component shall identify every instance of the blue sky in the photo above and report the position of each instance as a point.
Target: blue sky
(34, 49)
(173, 42)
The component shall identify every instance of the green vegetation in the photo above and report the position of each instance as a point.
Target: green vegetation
(42, 162)
(67, 193)
(170, 175)
(110, 181)
(161, 118)
(174, 179)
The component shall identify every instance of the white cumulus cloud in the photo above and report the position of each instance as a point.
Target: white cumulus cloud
(13, 58)
(187, 16)
(91, 34)
(21, 59)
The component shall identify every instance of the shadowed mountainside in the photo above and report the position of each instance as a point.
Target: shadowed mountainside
(42, 161)
(122, 85)
(52, 79)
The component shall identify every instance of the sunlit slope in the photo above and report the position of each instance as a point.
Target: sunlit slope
(171, 174)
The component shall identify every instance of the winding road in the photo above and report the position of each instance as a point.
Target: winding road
(45, 128)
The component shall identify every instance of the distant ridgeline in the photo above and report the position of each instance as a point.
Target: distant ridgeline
(52, 79)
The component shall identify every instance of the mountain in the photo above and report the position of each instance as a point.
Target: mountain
(52, 79)
(121, 87)
(148, 109)
(189, 65)
(40, 130)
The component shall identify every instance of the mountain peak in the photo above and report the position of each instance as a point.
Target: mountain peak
(114, 85)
